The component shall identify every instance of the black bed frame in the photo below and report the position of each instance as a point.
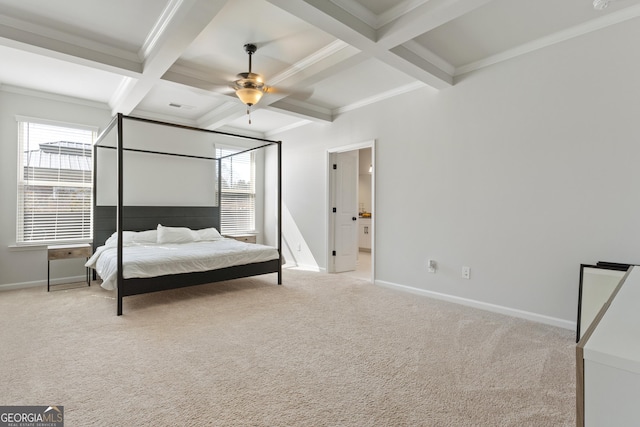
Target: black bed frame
(110, 219)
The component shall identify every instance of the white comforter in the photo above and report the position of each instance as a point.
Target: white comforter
(157, 260)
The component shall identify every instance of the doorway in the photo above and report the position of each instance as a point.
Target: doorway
(351, 201)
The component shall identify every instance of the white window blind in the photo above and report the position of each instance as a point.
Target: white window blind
(54, 182)
(237, 200)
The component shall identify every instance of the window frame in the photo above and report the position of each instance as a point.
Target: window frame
(65, 179)
(226, 153)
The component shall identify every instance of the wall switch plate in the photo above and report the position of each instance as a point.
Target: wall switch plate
(432, 266)
(466, 272)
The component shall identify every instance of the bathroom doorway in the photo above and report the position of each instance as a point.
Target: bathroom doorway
(351, 213)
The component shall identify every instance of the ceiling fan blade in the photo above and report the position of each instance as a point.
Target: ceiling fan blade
(223, 89)
(299, 94)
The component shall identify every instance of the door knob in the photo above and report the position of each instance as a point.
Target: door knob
(354, 218)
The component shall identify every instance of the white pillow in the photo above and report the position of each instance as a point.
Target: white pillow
(208, 234)
(112, 241)
(133, 238)
(144, 237)
(175, 235)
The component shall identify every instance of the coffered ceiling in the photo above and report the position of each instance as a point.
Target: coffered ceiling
(174, 59)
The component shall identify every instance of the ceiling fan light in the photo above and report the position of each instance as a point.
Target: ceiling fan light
(249, 86)
(249, 78)
(249, 96)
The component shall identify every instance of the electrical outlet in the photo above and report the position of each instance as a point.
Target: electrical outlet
(466, 272)
(432, 266)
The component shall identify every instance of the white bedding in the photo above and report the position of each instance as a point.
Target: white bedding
(150, 260)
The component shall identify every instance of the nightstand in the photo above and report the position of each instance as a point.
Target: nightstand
(66, 252)
(247, 238)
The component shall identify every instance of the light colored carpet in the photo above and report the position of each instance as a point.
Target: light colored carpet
(321, 350)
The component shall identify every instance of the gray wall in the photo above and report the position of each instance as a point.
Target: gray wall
(522, 171)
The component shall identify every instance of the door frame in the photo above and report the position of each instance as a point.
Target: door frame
(330, 196)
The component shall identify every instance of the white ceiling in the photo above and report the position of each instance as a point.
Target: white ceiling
(323, 57)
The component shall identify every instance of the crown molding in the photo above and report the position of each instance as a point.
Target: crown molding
(271, 134)
(379, 97)
(159, 28)
(53, 97)
(378, 21)
(429, 56)
(242, 132)
(359, 11)
(397, 11)
(326, 52)
(576, 31)
(30, 30)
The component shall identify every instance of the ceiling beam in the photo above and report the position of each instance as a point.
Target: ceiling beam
(328, 17)
(336, 21)
(301, 110)
(424, 18)
(335, 57)
(224, 114)
(36, 39)
(180, 25)
(199, 82)
(422, 70)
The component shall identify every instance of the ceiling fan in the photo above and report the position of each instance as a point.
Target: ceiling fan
(249, 86)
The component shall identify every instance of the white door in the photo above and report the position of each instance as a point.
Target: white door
(346, 211)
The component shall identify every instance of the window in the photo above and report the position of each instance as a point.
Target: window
(238, 197)
(55, 165)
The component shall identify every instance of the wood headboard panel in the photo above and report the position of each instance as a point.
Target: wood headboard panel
(140, 218)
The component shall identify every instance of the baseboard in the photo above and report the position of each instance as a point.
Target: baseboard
(540, 318)
(43, 283)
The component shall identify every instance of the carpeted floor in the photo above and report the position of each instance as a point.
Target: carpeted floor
(321, 350)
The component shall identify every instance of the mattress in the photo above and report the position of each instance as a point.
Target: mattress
(152, 260)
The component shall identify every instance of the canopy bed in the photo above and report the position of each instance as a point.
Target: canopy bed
(157, 218)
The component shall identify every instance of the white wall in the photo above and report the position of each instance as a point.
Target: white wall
(20, 267)
(522, 171)
(154, 179)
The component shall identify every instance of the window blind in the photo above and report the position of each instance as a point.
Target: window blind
(54, 183)
(237, 199)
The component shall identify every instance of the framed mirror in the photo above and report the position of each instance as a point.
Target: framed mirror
(597, 283)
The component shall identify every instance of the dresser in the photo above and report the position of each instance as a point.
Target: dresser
(608, 360)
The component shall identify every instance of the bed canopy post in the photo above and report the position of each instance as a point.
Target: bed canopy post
(94, 195)
(219, 191)
(280, 211)
(94, 191)
(119, 216)
(94, 201)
